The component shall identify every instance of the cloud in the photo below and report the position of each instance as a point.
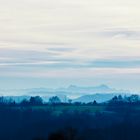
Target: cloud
(18, 55)
(61, 49)
(30, 58)
(115, 63)
(121, 34)
(59, 58)
(72, 73)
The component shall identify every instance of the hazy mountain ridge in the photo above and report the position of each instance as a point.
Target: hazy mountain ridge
(91, 90)
(97, 97)
(72, 90)
(99, 93)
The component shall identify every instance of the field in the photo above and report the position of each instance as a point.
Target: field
(70, 121)
(58, 109)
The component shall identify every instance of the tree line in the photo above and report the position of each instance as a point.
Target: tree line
(37, 100)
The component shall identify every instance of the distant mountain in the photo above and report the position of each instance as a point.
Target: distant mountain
(97, 97)
(79, 91)
(101, 93)
(72, 91)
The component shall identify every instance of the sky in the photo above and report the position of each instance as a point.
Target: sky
(56, 43)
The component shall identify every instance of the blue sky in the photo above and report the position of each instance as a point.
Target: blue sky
(51, 43)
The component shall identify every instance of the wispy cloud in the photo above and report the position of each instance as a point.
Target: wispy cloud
(121, 34)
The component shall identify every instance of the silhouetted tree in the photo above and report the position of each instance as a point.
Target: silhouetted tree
(69, 101)
(134, 98)
(115, 98)
(94, 102)
(2, 100)
(11, 101)
(120, 98)
(54, 100)
(37, 100)
(24, 102)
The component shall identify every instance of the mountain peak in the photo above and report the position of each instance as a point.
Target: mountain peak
(72, 87)
(103, 86)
